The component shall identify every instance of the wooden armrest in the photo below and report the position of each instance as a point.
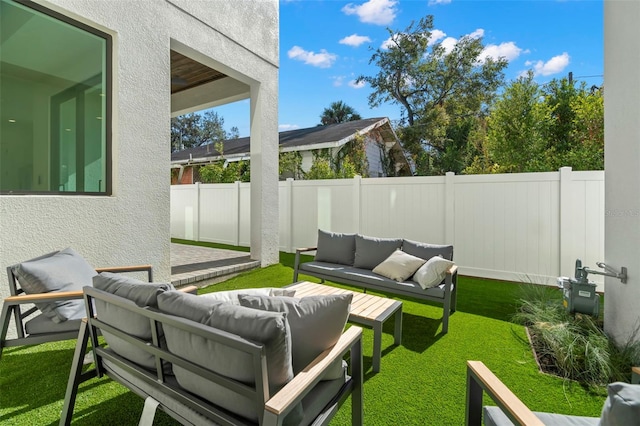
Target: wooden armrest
(635, 375)
(303, 249)
(189, 289)
(312, 373)
(453, 270)
(502, 395)
(43, 297)
(132, 268)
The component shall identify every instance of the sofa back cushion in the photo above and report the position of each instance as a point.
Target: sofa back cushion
(427, 251)
(64, 270)
(370, 251)
(334, 247)
(316, 323)
(268, 328)
(142, 294)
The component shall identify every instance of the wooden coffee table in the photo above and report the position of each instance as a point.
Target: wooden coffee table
(366, 309)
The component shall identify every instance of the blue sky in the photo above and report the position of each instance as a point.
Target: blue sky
(326, 44)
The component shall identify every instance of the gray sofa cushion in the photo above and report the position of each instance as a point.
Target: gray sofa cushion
(316, 322)
(65, 270)
(336, 248)
(142, 294)
(41, 324)
(427, 251)
(231, 296)
(268, 328)
(370, 251)
(493, 416)
(344, 274)
(622, 406)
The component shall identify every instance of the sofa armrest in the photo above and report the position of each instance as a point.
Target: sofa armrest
(296, 265)
(303, 382)
(133, 268)
(453, 270)
(479, 379)
(635, 375)
(43, 297)
(189, 289)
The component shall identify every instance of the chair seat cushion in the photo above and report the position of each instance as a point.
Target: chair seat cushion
(64, 270)
(42, 324)
(231, 296)
(494, 416)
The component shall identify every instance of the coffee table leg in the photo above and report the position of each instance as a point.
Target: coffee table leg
(377, 345)
(397, 334)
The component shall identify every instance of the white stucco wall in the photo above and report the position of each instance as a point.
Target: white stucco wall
(132, 226)
(622, 164)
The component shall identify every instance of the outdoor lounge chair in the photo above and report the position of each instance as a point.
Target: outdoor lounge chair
(201, 374)
(622, 406)
(53, 283)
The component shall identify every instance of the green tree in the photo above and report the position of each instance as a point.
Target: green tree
(518, 128)
(338, 112)
(191, 130)
(435, 89)
(290, 165)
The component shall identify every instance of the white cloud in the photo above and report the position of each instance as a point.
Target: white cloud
(507, 50)
(379, 12)
(434, 2)
(285, 127)
(356, 85)
(354, 40)
(436, 35)
(338, 80)
(449, 43)
(323, 59)
(552, 66)
(479, 33)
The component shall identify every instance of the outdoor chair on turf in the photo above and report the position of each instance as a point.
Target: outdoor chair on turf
(53, 283)
(227, 359)
(622, 406)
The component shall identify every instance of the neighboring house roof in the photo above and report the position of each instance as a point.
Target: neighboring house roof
(329, 136)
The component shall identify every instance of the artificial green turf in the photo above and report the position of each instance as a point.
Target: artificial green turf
(421, 382)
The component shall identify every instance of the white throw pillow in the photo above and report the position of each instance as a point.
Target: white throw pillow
(399, 266)
(433, 272)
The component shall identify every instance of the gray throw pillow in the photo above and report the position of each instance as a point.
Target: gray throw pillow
(142, 294)
(335, 248)
(63, 271)
(316, 322)
(268, 328)
(427, 251)
(622, 406)
(370, 251)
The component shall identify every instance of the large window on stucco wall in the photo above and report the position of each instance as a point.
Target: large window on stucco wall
(55, 118)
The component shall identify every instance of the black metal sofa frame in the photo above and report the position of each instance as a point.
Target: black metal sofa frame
(187, 408)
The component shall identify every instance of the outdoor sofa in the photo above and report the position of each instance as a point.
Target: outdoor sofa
(228, 358)
(391, 265)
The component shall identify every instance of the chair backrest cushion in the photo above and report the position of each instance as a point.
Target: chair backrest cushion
(370, 251)
(427, 251)
(334, 247)
(622, 406)
(316, 323)
(142, 294)
(268, 328)
(64, 270)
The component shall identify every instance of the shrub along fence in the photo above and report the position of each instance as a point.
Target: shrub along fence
(519, 227)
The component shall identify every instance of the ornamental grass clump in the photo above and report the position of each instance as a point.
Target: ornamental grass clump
(573, 346)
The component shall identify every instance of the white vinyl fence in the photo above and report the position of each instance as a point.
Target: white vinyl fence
(521, 227)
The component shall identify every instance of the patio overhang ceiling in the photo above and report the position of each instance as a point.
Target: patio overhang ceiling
(196, 86)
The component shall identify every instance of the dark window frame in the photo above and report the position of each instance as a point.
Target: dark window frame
(108, 105)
